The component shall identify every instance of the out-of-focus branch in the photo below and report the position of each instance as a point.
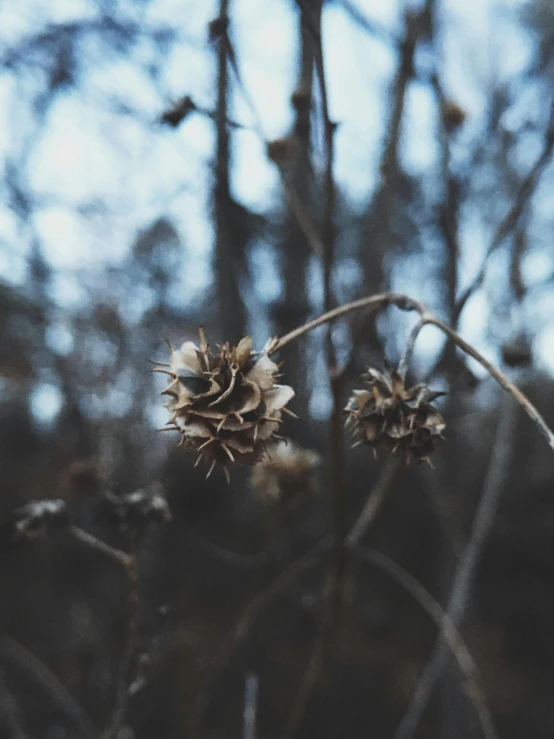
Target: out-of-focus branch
(243, 625)
(123, 682)
(33, 668)
(512, 218)
(287, 577)
(228, 251)
(403, 302)
(449, 631)
(9, 711)
(372, 27)
(496, 477)
(332, 598)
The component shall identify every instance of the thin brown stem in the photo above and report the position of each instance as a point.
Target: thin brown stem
(374, 501)
(512, 218)
(446, 625)
(119, 709)
(10, 715)
(243, 625)
(403, 302)
(99, 546)
(501, 455)
(501, 379)
(31, 666)
(406, 360)
(406, 303)
(285, 579)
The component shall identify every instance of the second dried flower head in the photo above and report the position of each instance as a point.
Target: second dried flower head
(387, 415)
(226, 405)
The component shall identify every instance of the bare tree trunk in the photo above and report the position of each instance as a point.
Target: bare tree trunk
(296, 251)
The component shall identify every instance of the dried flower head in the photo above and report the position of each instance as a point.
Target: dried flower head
(288, 475)
(39, 517)
(133, 512)
(387, 415)
(226, 405)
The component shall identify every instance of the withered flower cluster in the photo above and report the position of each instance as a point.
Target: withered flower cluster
(287, 476)
(387, 415)
(226, 405)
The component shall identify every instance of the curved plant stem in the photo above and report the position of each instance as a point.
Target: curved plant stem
(243, 625)
(382, 300)
(446, 624)
(498, 470)
(406, 360)
(403, 302)
(123, 678)
(30, 665)
(97, 545)
(283, 580)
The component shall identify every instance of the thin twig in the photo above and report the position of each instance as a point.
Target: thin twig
(512, 217)
(286, 577)
(31, 666)
(406, 359)
(97, 545)
(250, 707)
(374, 501)
(484, 517)
(446, 624)
(9, 711)
(119, 709)
(332, 596)
(304, 221)
(243, 625)
(406, 303)
(381, 300)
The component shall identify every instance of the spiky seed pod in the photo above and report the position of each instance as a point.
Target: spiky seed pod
(387, 415)
(288, 475)
(226, 405)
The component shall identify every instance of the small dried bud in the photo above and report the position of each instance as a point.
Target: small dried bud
(218, 27)
(301, 100)
(132, 513)
(37, 518)
(178, 112)
(226, 405)
(452, 115)
(288, 475)
(282, 151)
(517, 353)
(389, 416)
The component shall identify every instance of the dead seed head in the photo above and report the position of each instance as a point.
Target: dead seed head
(226, 405)
(387, 415)
(287, 476)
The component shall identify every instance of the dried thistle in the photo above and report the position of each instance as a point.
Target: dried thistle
(390, 416)
(226, 405)
(288, 475)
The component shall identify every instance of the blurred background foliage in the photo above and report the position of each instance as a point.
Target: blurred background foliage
(154, 163)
